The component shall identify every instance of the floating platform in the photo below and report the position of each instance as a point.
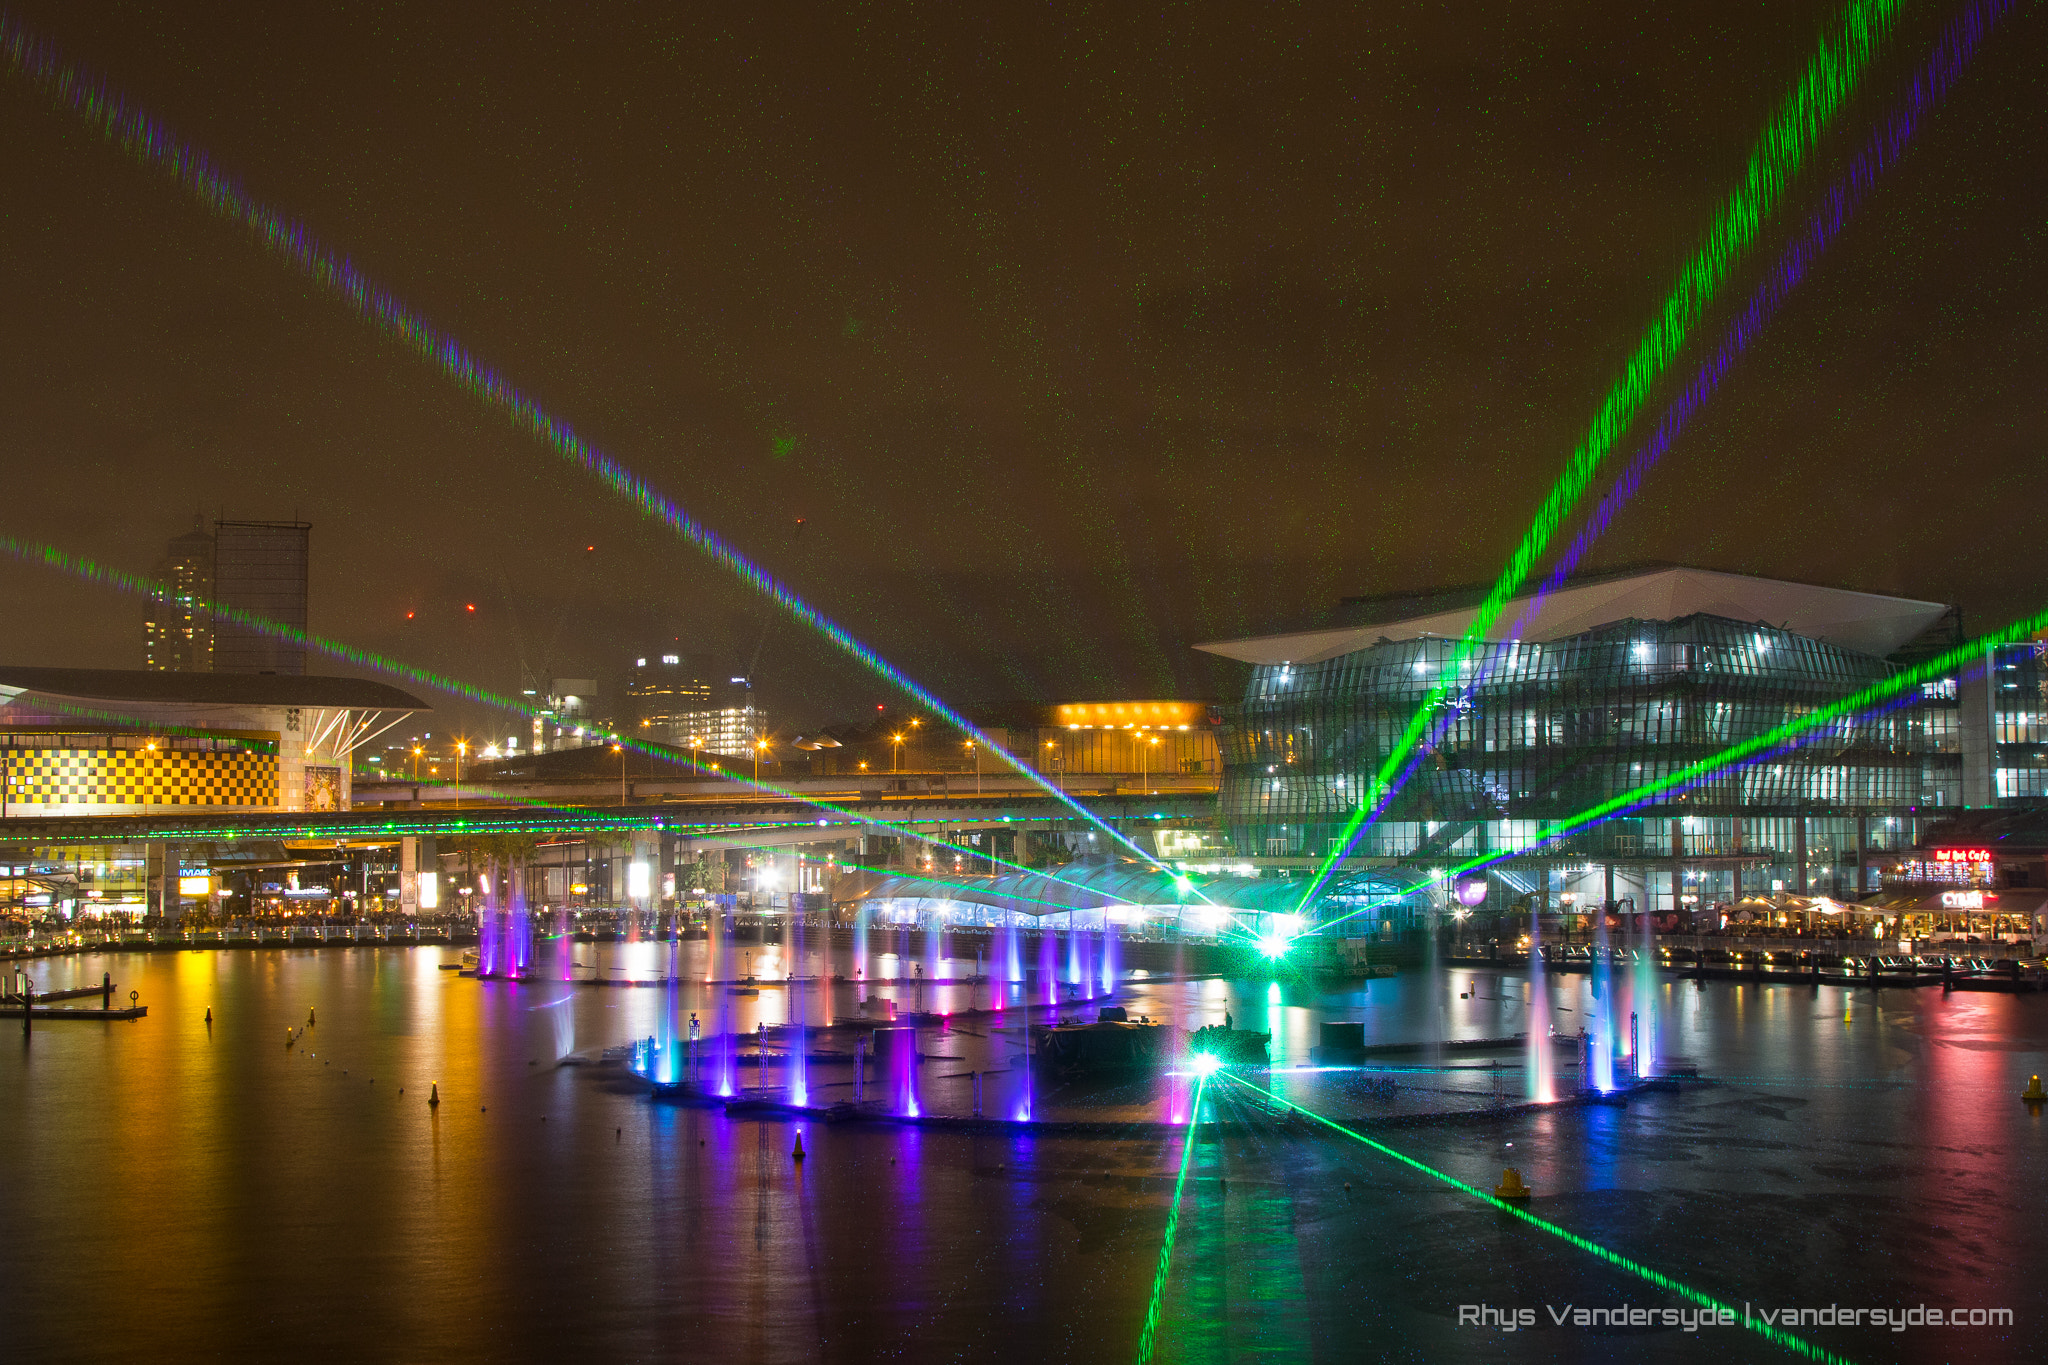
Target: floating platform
(1270, 1116)
(74, 1012)
(42, 996)
(1337, 1054)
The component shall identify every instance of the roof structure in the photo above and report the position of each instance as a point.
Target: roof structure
(1105, 884)
(223, 689)
(1864, 622)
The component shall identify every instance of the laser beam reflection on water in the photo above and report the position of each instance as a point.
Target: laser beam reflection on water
(1776, 1335)
(1148, 1339)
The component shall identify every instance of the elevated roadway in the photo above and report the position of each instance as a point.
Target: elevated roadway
(705, 814)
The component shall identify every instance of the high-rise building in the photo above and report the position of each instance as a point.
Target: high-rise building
(660, 692)
(669, 704)
(260, 567)
(177, 627)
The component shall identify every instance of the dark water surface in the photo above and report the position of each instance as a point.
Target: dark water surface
(174, 1192)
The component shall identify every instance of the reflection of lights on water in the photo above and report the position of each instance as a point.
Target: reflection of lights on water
(1273, 993)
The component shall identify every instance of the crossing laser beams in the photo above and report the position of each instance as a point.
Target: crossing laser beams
(51, 557)
(1777, 738)
(1831, 75)
(147, 139)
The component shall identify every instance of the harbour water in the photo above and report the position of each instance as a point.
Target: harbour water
(183, 1190)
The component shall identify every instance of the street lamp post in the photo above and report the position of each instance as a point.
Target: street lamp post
(760, 747)
(975, 749)
(895, 752)
(620, 750)
(461, 749)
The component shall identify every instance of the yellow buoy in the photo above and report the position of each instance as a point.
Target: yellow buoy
(2034, 1093)
(1511, 1186)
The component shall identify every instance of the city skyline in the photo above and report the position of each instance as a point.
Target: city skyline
(1293, 284)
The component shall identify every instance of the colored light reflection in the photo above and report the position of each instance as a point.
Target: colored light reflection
(1776, 1335)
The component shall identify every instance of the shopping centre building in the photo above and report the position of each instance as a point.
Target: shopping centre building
(1607, 684)
(82, 741)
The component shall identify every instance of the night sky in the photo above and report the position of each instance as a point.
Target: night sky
(1073, 335)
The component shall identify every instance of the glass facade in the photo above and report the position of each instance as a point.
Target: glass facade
(1530, 733)
(2018, 677)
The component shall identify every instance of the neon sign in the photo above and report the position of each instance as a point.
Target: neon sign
(1962, 855)
(1962, 900)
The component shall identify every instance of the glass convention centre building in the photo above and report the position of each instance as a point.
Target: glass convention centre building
(1608, 683)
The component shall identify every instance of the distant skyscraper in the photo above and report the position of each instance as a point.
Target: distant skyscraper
(669, 704)
(661, 691)
(261, 568)
(177, 631)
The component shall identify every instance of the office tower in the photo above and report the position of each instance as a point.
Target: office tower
(177, 630)
(260, 567)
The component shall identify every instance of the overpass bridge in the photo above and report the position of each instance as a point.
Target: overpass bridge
(702, 815)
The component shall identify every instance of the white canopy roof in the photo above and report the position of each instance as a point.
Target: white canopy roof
(1861, 621)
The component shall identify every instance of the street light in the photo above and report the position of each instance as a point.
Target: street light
(461, 749)
(1143, 754)
(1059, 766)
(417, 750)
(620, 750)
(975, 749)
(760, 747)
(896, 753)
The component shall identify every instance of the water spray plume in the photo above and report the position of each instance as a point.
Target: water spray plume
(149, 141)
(1830, 77)
(1775, 1335)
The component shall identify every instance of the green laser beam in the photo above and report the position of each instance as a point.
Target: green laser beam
(1776, 1335)
(1149, 1338)
(49, 556)
(1829, 79)
(1736, 753)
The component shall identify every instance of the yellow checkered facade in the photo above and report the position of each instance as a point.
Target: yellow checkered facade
(140, 777)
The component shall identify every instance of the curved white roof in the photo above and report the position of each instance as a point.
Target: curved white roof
(1862, 621)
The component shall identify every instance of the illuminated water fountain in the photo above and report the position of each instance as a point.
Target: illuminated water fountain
(1599, 1072)
(896, 1069)
(1538, 1076)
(1048, 968)
(718, 955)
(861, 916)
(799, 1072)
